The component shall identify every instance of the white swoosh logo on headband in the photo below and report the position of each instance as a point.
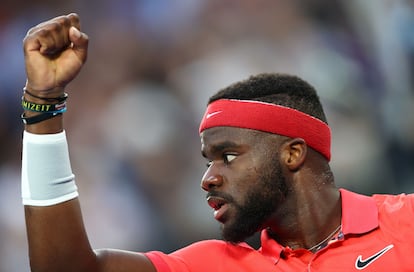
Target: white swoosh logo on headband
(209, 115)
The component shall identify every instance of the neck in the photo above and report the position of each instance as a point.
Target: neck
(312, 216)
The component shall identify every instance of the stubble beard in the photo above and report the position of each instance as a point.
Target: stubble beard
(260, 203)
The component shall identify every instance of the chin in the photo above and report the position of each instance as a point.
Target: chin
(236, 234)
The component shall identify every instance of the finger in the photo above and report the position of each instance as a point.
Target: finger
(59, 28)
(49, 42)
(51, 37)
(79, 43)
(56, 39)
(74, 20)
(41, 40)
(45, 23)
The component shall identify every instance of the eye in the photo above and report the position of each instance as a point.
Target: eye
(228, 158)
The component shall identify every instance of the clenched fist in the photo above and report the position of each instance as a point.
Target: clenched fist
(54, 51)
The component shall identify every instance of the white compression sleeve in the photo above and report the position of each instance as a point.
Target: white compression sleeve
(47, 177)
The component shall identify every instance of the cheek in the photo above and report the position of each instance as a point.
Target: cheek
(252, 168)
(253, 171)
(258, 162)
(246, 181)
(249, 170)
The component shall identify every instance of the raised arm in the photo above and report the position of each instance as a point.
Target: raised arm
(55, 52)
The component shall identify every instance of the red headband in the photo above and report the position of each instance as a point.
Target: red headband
(269, 118)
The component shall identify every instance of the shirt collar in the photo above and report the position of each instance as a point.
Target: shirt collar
(270, 248)
(359, 215)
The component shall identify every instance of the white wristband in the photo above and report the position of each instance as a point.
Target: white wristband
(47, 177)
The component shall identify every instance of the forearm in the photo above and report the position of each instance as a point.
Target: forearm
(57, 239)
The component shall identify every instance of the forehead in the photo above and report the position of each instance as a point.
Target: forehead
(226, 132)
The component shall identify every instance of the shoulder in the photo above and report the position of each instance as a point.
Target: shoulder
(212, 248)
(395, 203)
(396, 212)
(203, 246)
(205, 255)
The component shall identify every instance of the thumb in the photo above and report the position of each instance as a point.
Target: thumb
(79, 42)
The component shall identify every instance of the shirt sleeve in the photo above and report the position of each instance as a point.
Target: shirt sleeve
(199, 257)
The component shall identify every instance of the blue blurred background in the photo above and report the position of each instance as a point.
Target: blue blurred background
(133, 112)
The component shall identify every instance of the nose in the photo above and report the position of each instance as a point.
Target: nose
(211, 180)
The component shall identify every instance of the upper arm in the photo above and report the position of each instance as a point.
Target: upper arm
(111, 260)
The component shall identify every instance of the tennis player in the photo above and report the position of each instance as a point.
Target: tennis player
(267, 144)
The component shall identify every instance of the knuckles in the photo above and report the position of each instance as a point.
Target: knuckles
(54, 26)
(51, 34)
(74, 19)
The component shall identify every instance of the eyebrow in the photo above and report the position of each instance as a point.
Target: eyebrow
(218, 148)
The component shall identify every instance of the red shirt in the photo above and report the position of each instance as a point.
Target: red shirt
(377, 235)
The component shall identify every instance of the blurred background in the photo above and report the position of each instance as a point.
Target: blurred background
(133, 112)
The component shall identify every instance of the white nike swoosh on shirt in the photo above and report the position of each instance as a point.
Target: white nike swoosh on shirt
(361, 264)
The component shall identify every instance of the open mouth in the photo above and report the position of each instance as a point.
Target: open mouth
(215, 202)
(219, 205)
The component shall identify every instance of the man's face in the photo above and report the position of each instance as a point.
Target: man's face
(243, 181)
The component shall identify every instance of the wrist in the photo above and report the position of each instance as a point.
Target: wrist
(45, 96)
(40, 122)
(45, 92)
(49, 126)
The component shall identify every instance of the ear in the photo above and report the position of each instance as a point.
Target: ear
(294, 153)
